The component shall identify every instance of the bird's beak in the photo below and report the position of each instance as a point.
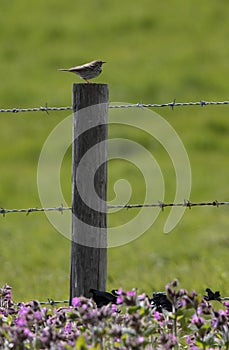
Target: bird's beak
(104, 62)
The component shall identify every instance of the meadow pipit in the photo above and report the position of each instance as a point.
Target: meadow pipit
(88, 70)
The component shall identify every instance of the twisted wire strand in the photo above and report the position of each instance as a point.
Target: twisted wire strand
(134, 105)
(160, 204)
(49, 302)
(55, 302)
(61, 209)
(170, 104)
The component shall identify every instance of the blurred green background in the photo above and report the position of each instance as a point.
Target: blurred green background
(156, 51)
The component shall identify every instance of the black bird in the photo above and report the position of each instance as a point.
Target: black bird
(103, 298)
(160, 301)
(212, 295)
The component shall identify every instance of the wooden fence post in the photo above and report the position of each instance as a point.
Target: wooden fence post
(89, 187)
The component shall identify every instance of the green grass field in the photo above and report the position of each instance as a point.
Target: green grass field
(155, 52)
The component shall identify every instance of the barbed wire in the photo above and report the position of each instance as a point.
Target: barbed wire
(55, 302)
(31, 210)
(134, 105)
(170, 104)
(163, 205)
(49, 302)
(35, 109)
(160, 204)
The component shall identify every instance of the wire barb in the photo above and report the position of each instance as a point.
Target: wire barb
(172, 104)
(187, 204)
(161, 205)
(215, 203)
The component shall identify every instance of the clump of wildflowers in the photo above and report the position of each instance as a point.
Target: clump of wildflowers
(132, 323)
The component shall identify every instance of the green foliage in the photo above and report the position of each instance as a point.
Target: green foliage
(139, 324)
(81, 343)
(156, 52)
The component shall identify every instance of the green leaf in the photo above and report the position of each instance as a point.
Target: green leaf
(81, 343)
(133, 309)
(142, 311)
